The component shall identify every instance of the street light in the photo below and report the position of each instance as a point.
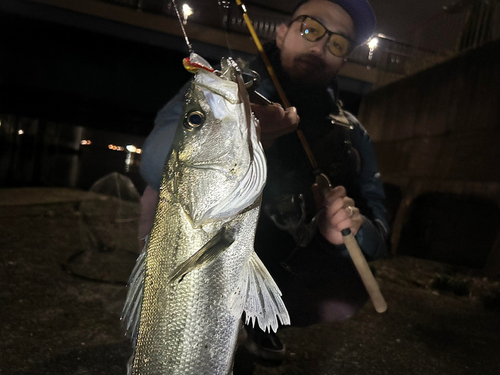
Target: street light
(186, 12)
(372, 45)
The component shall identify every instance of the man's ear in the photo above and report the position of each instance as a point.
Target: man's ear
(280, 35)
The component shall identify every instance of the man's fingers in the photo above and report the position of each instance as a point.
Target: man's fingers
(334, 194)
(272, 113)
(341, 213)
(292, 118)
(338, 211)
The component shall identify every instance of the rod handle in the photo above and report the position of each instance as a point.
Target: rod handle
(364, 271)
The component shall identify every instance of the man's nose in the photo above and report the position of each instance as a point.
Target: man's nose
(320, 45)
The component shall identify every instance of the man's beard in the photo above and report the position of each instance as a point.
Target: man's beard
(309, 72)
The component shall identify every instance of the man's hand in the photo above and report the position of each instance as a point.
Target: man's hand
(340, 213)
(275, 122)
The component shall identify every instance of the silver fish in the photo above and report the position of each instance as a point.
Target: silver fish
(199, 272)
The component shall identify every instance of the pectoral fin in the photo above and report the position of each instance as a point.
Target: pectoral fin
(259, 296)
(210, 251)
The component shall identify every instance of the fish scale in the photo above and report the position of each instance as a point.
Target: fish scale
(192, 295)
(199, 271)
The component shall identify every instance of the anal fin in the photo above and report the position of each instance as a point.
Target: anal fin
(260, 297)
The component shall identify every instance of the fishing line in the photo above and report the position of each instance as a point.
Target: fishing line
(224, 14)
(190, 47)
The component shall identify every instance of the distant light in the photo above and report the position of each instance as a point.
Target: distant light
(117, 148)
(373, 43)
(133, 149)
(186, 12)
(20, 132)
(86, 142)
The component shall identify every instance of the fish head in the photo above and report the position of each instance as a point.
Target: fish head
(217, 167)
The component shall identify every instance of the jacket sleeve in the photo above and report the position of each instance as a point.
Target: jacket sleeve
(157, 146)
(373, 234)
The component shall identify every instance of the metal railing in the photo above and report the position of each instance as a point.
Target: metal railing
(457, 28)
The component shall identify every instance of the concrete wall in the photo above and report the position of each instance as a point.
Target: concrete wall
(439, 131)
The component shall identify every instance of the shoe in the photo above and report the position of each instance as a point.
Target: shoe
(264, 345)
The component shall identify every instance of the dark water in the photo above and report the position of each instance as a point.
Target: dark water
(37, 153)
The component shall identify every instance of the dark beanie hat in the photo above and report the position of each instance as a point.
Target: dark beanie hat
(361, 13)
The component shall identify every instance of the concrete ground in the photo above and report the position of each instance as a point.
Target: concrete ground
(60, 305)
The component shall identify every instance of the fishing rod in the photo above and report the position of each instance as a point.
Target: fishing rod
(277, 84)
(323, 183)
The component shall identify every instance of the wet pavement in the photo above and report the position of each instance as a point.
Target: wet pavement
(60, 307)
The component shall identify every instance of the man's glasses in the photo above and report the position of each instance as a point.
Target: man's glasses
(313, 30)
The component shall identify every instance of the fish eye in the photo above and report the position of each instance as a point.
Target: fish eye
(194, 119)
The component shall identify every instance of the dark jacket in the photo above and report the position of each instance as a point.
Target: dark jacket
(319, 274)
